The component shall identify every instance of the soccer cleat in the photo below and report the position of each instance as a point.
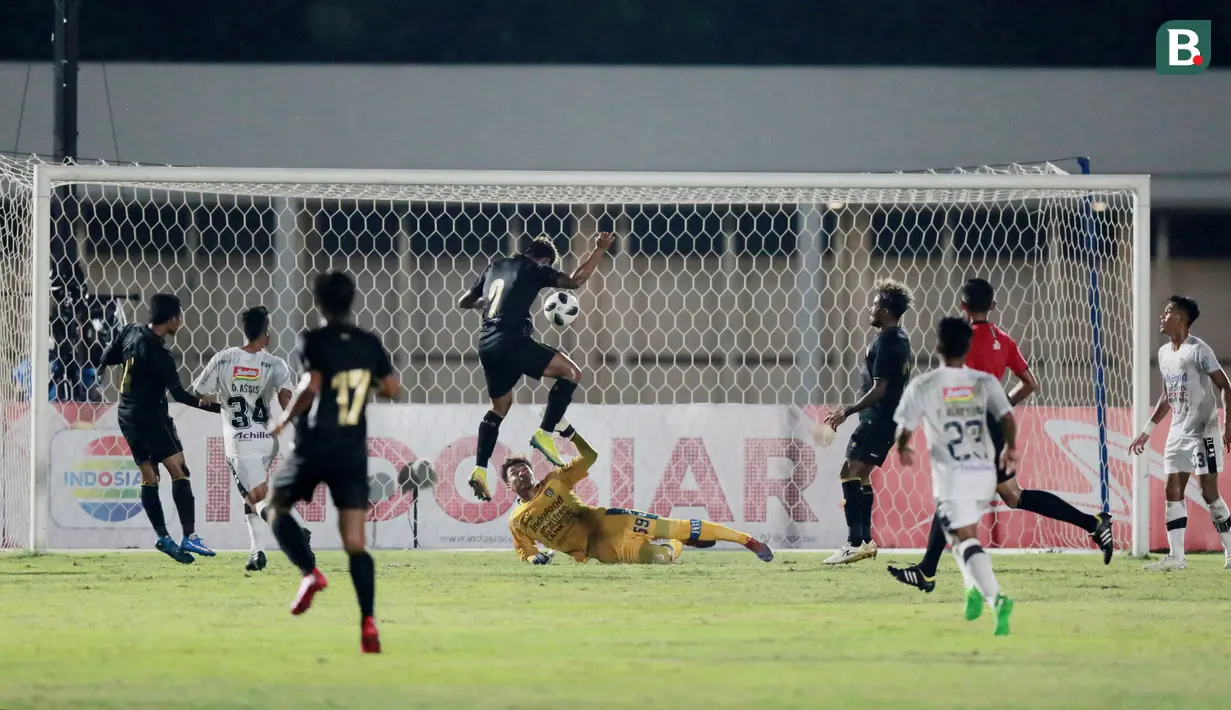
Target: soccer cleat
(543, 442)
(1167, 564)
(256, 561)
(312, 583)
(1004, 609)
(974, 604)
(914, 577)
(369, 637)
(168, 547)
(1102, 536)
(478, 484)
(1227, 564)
(868, 550)
(761, 550)
(677, 548)
(196, 545)
(846, 554)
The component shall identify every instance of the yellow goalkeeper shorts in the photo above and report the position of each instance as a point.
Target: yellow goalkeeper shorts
(617, 535)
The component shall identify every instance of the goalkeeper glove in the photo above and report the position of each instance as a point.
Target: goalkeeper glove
(544, 557)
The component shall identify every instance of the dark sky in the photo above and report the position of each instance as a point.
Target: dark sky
(1060, 33)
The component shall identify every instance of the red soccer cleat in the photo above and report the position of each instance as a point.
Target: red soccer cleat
(312, 583)
(369, 639)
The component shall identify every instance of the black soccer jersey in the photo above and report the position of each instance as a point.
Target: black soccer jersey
(351, 362)
(510, 287)
(149, 372)
(889, 359)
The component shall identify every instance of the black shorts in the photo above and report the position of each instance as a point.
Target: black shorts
(507, 357)
(997, 435)
(344, 469)
(872, 440)
(150, 438)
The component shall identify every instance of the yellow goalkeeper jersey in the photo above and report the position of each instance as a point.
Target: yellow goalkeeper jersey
(555, 516)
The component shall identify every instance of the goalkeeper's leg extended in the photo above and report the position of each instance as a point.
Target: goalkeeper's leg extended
(694, 533)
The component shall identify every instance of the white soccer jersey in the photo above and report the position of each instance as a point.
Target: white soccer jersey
(244, 383)
(1190, 391)
(953, 404)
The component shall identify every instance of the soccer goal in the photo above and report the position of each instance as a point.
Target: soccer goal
(730, 314)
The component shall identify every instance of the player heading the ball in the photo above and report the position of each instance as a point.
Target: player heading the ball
(244, 379)
(1192, 379)
(342, 364)
(145, 420)
(551, 514)
(953, 403)
(886, 369)
(504, 293)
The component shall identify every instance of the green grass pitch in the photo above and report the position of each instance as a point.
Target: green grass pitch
(718, 630)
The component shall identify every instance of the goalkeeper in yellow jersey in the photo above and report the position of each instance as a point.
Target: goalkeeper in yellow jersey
(551, 514)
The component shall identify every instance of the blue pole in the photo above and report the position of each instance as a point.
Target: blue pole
(1096, 327)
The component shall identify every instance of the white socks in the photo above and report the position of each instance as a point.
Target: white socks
(254, 544)
(1177, 523)
(977, 568)
(1221, 516)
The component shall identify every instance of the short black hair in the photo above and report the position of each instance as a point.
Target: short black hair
(1188, 305)
(894, 296)
(255, 321)
(542, 247)
(978, 295)
(510, 462)
(953, 336)
(334, 292)
(164, 307)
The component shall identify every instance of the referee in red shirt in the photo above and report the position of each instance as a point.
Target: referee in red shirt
(993, 351)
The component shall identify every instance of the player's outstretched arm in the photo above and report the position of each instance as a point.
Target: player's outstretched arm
(301, 400)
(1160, 410)
(572, 472)
(586, 269)
(527, 549)
(171, 380)
(114, 354)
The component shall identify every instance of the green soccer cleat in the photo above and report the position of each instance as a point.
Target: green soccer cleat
(543, 442)
(1004, 609)
(974, 604)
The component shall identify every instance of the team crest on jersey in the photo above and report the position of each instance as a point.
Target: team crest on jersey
(246, 374)
(959, 394)
(549, 493)
(995, 345)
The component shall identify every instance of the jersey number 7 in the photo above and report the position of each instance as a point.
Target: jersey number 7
(352, 388)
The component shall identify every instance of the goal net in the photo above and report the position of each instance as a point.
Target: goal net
(730, 315)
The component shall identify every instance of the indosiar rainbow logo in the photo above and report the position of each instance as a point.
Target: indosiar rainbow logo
(105, 482)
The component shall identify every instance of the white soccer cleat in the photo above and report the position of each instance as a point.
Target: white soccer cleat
(1167, 564)
(1227, 555)
(849, 553)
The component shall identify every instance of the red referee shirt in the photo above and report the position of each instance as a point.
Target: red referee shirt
(993, 351)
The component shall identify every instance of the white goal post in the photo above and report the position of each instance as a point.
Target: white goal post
(729, 315)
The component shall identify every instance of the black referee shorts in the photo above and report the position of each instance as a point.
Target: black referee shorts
(997, 436)
(342, 467)
(151, 439)
(507, 357)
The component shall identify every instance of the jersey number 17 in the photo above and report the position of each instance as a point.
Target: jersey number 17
(352, 388)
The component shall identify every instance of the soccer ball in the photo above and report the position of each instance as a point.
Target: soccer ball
(561, 308)
(416, 475)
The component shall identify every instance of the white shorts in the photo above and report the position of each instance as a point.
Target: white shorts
(961, 512)
(250, 470)
(1193, 455)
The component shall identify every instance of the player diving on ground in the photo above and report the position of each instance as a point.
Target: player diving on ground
(504, 293)
(549, 513)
